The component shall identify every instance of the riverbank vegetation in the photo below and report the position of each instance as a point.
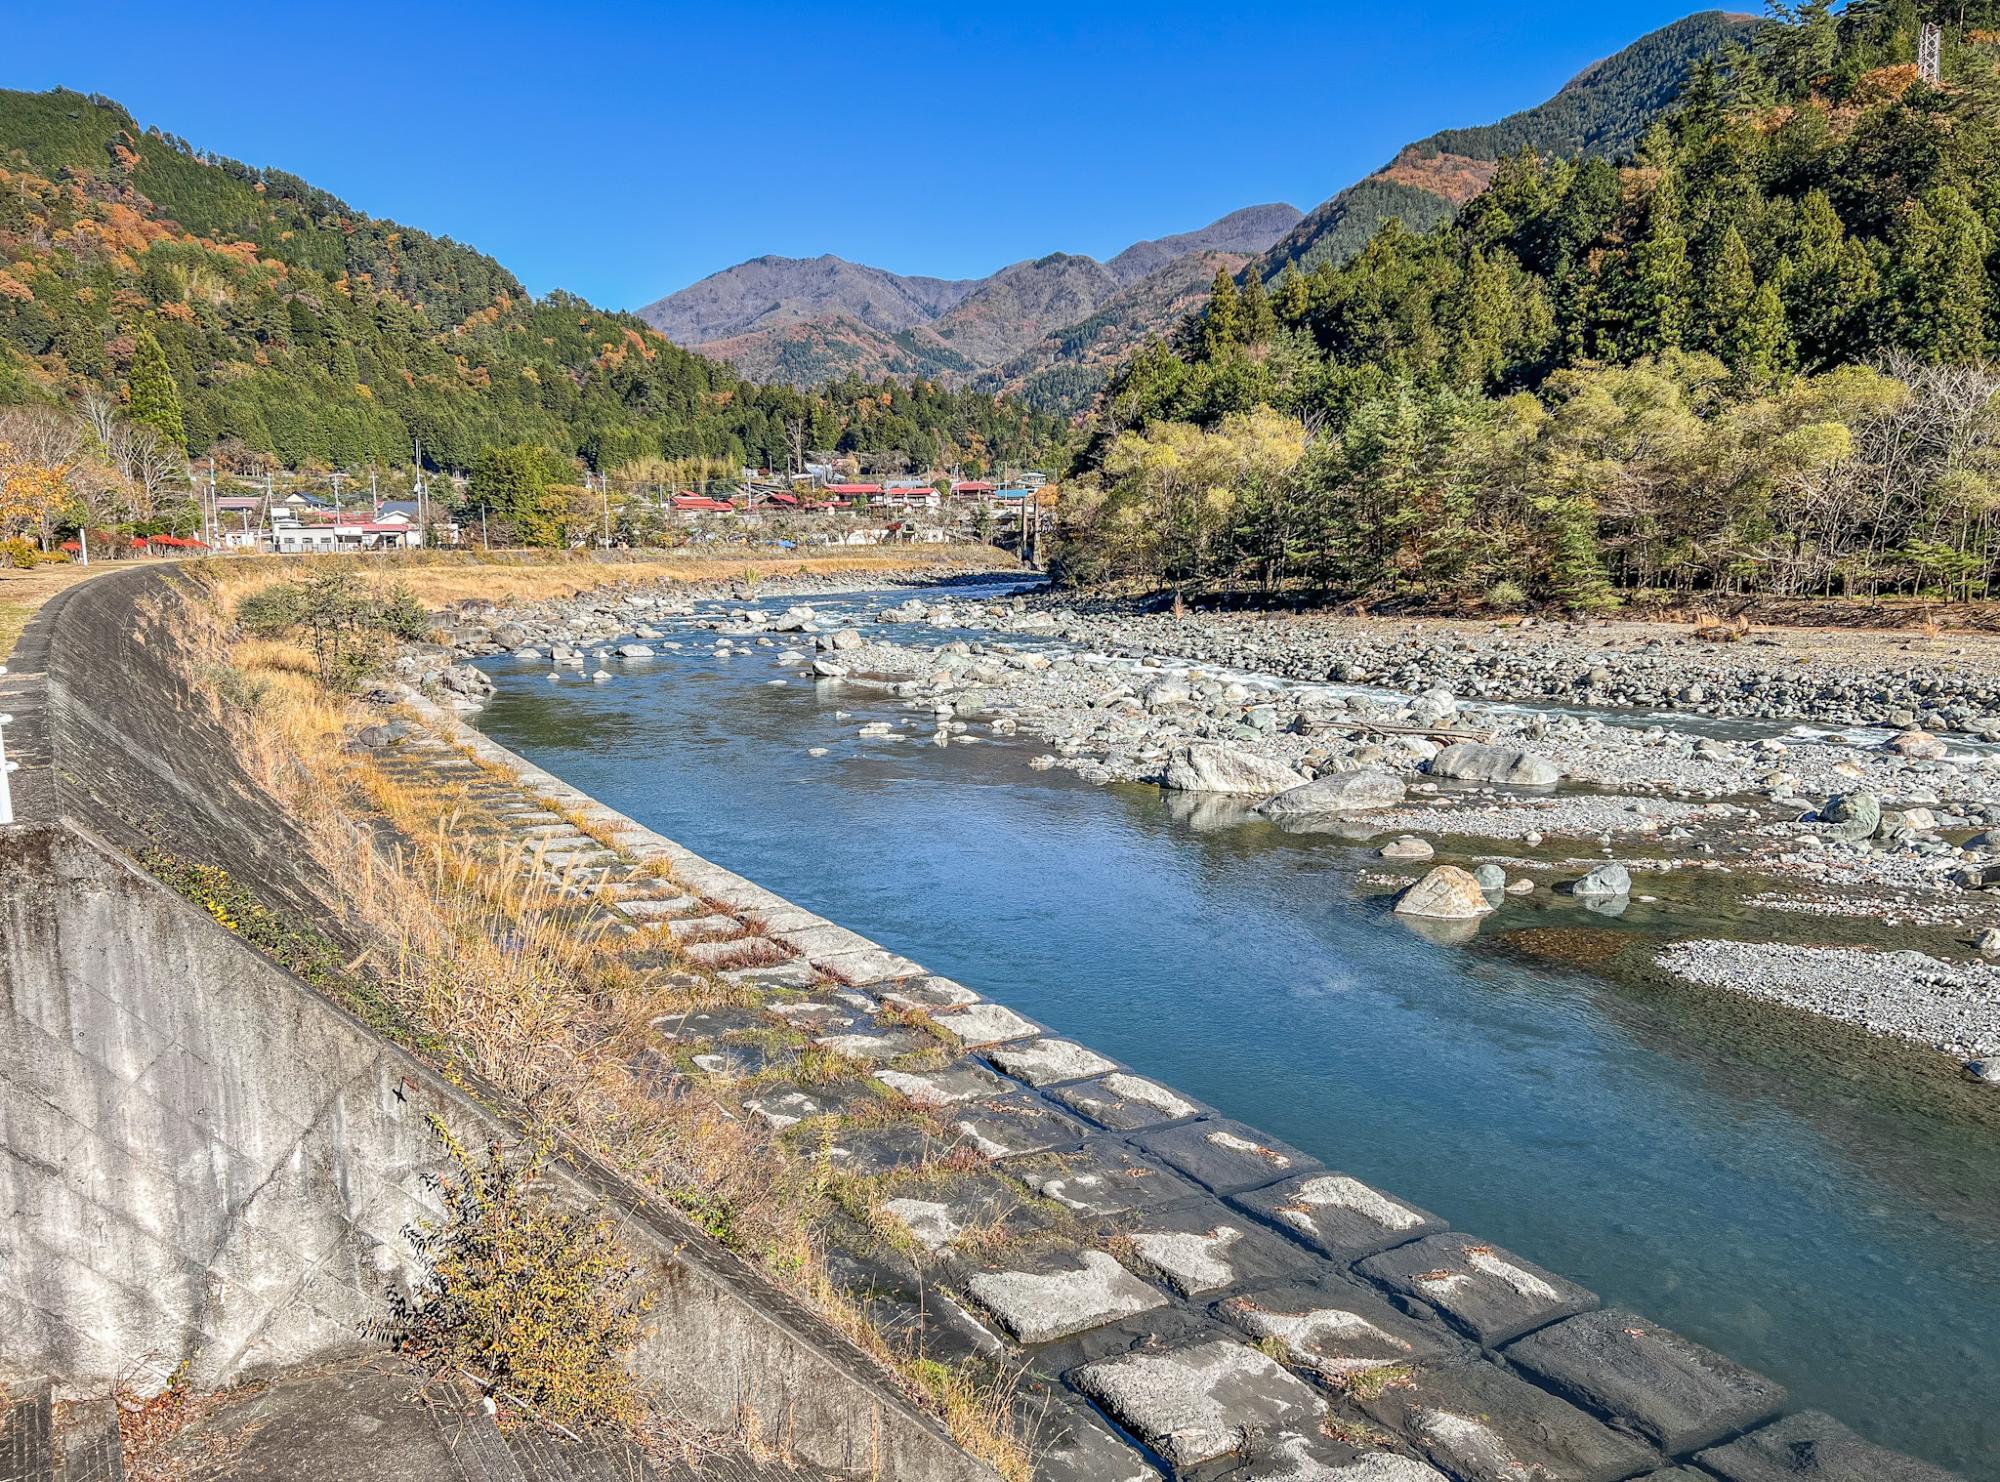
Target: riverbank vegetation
(490, 966)
(1755, 357)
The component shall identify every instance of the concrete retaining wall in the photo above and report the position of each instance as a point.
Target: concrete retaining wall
(205, 1164)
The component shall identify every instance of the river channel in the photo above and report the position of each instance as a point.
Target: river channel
(1814, 1203)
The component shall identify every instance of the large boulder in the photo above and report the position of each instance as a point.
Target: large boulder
(1343, 792)
(1472, 761)
(463, 679)
(1854, 815)
(1447, 893)
(1604, 882)
(1204, 767)
(1917, 744)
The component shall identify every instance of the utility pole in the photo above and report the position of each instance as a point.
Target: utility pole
(604, 498)
(212, 512)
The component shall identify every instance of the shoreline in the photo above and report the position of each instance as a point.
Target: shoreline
(1085, 1320)
(1635, 791)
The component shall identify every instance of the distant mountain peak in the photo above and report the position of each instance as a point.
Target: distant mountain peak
(802, 318)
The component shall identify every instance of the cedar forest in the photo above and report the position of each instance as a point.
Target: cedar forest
(1754, 357)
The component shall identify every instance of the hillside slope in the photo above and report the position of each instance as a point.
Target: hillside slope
(803, 320)
(294, 327)
(1602, 111)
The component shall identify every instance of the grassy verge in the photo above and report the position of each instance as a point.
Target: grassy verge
(22, 594)
(493, 971)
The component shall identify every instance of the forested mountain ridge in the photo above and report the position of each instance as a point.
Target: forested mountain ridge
(1758, 354)
(1601, 111)
(801, 320)
(287, 325)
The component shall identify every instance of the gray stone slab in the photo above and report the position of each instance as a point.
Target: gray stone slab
(1815, 1447)
(732, 1061)
(784, 1106)
(1672, 1390)
(1226, 1157)
(1337, 1328)
(1338, 1215)
(876, 1046)
(1044, 1062)
(818, 1015)
(781, 975)
(937, 1211)
(906, 1305)
(701, 1025)
(1483, 1424)
(1201, 1247)
(963, 1080)
(1070, 1444)
(1101, 1177)
(1319, 1458)
(871, 1150)
(1192, 1405)
(1124, 1102)
(1013, 1125)
(1489, 1294)
(985, 1024)
(1055, 1295)
(929, 993)
(872, 965)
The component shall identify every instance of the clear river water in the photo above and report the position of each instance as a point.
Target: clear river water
(1815, 1203)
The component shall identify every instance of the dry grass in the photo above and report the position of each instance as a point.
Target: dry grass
(438, 579)
(22, 594)
(495, 966)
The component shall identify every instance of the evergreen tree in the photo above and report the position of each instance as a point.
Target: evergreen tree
(1259, 322)
(1943, 290)
(1294, 296)
(1223, 324)
(1659, 312)
(154, 400)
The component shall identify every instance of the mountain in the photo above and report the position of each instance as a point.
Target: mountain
(271, 321)
(1062, 372)
(804, 320)
(771, 292)
(1602, 111)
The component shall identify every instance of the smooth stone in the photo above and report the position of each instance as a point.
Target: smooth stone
(1447, 893)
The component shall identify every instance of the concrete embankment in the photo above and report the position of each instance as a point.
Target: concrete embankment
(1180, 1292)
(206, 1167)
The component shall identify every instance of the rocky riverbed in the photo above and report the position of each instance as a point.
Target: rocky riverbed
(1447, 756)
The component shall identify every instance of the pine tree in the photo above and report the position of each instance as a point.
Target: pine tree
(155, 402)
(1259, 322)
(1223, 324)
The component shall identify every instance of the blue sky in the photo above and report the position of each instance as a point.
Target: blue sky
(622, 151)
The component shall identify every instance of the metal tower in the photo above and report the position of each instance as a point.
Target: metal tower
(1930, 53)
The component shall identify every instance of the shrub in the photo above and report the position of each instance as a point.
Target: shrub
(1505, 596)
(345, 624)
(18, 551)
(534, 1299)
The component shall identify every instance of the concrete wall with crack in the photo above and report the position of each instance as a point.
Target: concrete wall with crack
(205, 1165)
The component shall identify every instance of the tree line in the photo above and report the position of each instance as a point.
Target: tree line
(245, 314)
(1755, 356)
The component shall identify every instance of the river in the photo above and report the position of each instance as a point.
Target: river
(1816, 1204)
